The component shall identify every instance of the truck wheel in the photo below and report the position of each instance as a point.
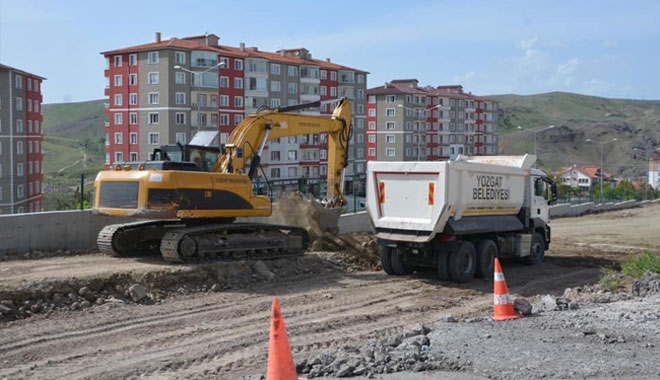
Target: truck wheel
(463, 262)
(486, 253)
(537, 252)
(399, 267)
(385, 253)
(443, 265)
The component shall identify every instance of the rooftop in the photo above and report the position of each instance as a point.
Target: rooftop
(5, 67)
(409, 86)
(193, 43)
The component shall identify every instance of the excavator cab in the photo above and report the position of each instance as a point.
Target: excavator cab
(202, 156)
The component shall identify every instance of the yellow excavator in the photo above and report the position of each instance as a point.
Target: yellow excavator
(191, 210)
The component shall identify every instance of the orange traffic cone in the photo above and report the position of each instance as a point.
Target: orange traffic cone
(501, 300)
(280, 360)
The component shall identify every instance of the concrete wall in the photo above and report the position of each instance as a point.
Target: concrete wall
(567, 210)
(72, 230)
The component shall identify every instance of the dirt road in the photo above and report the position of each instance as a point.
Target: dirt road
(225, 333)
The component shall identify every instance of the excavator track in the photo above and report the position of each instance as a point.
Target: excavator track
(233, 241)
(183, 243)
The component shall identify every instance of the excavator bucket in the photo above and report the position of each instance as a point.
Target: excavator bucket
(293, 209)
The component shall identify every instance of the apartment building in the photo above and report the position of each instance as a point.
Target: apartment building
(406, 122)
(21, 170)
(165, 91)
(654, 173)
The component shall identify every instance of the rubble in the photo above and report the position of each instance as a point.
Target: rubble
(137, 292)
(522, 306)
(646, 285)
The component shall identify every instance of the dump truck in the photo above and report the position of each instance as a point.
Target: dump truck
(457, 216)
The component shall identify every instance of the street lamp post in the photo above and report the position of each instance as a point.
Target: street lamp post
(198, 75)
(646, 185)
(601, 143)
(536, 132)
(417, 109)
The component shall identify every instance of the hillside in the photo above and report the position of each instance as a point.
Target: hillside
(73, 138)
(634, 123)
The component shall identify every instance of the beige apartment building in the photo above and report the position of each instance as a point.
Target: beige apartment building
(165, 91)
(406, 122)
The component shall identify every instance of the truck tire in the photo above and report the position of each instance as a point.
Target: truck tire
(486, 254)
(399, 267)
(443, 264)
(385, 260)
(537, 252)
(463, 262)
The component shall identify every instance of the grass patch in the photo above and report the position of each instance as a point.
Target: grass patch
(636, 265)
(632, 267)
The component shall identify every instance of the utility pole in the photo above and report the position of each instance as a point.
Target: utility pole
(602, 169)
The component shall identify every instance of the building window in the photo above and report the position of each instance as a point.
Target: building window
(117, 60)
(154, 98)
(132, 138)
(224, 119)
(324, 90)
(154, 138)
(180, 78)
(119, 100)
(390, 139)
(19, 169)
(224, 62)
(133, 156)
(324, 74)
(20, 193)
(275, 86)
(132, 79)
(360, 78)
(238, 101)
(292, 155)
(132, 59)
(19, 125)
(293, 88)
(154, 118)
(238, 64)
(388, 99)
(390, 125)
(333, 76)
(360, 109)
(292, 71)
(119, 156)
(30, 127)
(132, 99)
(372, 151)
(224, 101)
(224, 82)
(238, 119)
(19, 147)
(238, 82)
(180, 137)
(180, 98)
(179, 57)
(274, 103)
(333, 91)
(275, 155)
(152, 57)
(132, 118)
(391, 112)
(372, 138)
(372, 125)
(390, 152)
(153, 78)
(119, 80)
(275, 172)
(360, 123)
(292, 172)
(19, 104)
(180, 118)
(119, 138)
(119, 119)
(275, 69)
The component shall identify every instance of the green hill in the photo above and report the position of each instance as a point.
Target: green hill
(73, 139)
(634, 123)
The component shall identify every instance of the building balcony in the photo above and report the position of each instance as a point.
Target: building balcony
(311, 80)
(309, 97)
(470, 109)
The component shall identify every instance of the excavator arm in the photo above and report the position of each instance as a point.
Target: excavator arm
(247, 141)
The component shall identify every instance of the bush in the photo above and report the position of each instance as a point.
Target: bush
(636, 265)
(610, 279)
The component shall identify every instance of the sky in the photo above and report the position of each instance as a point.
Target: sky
(603, 48)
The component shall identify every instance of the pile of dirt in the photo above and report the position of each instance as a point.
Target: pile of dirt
(356, 252)
(646, 285)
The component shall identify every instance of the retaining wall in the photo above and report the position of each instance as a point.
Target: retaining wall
(566, 210)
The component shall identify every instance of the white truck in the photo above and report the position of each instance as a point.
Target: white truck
(457, 216)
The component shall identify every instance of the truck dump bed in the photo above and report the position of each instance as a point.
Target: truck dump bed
(413, 201)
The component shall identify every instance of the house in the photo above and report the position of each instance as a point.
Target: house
(583, 177)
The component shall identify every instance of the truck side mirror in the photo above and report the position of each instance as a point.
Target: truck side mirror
(553, 194)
